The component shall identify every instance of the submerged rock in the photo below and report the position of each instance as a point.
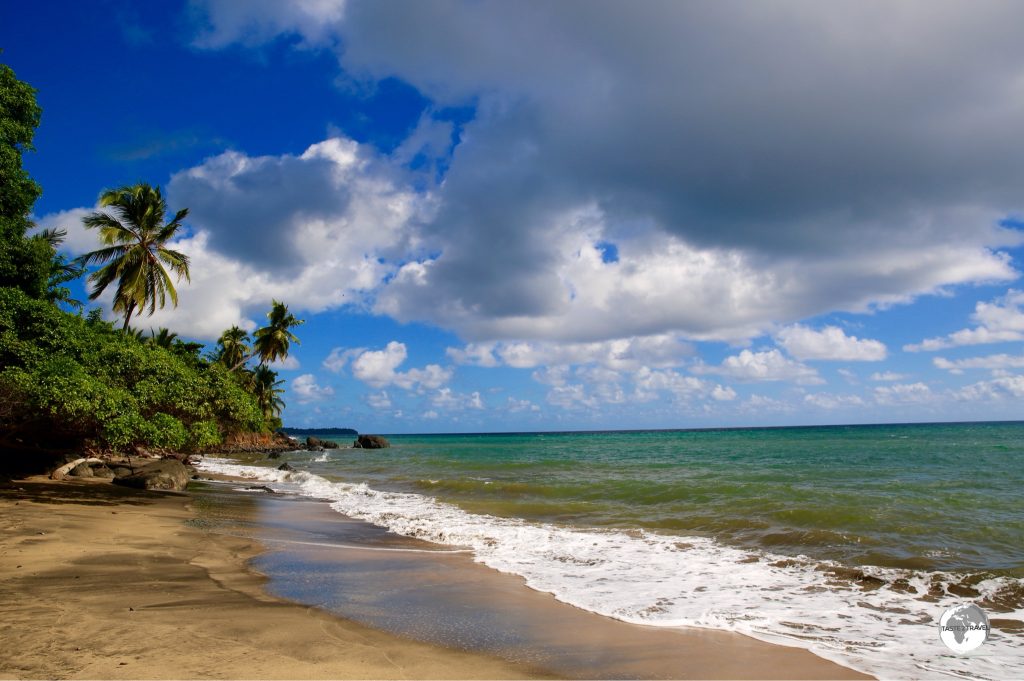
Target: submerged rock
(285, 467)
(168, 474)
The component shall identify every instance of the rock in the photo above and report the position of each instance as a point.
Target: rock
(82, 470)
(102, 471)
(121, 471)
(274, 455)
(285, 467)
(371, 442)
(260, 488)
(167, 474)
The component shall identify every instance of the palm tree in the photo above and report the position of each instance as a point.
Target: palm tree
(164, 338)
(267, 390)
(233, 347)
(273, 340)
(134, 234)
(62, 270)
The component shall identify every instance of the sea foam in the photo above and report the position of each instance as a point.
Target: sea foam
(883, 621)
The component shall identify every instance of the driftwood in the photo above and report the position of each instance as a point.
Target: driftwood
(62, 472)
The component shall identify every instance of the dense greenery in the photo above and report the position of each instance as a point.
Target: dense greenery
(68, 381)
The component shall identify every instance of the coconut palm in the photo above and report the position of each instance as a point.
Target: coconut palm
(267, 389)
(233, 347)
(134, 255)
(164, 338)
(62, 270)
(273, 341)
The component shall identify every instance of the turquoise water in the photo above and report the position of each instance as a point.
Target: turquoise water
(931, 496)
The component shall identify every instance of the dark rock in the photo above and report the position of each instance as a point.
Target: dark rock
(82, 470)
(285, 467)
(122, 471)
(260, 488)
(329, 444)
(167, 474)
(371, 442)
(102, 471)
(356, 445)
(274, 455)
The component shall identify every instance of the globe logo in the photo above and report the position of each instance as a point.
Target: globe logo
(963, 628)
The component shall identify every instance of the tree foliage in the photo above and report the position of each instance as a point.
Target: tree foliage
(24, 261)
(66, 381)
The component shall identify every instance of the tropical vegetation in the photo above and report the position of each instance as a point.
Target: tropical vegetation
(69, 379)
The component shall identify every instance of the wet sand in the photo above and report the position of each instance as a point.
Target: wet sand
(101, 582)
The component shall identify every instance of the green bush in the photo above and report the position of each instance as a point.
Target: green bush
(66, 381)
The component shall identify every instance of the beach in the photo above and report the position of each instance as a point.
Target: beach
(103, 582)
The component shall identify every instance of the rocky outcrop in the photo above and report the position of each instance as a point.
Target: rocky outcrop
(167, 474)
(286, 467)
(315, 444)
(371, 442)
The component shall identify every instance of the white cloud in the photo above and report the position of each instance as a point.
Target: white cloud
(993, 362)
(1000, 388)
(831, 401)
(830, 343)
(254, 22)
(318, 230)
(1000, 321)
(339, 357)
(903, 393)
(379, 400)
(307, 389)
(887, 376)
(516, 406)
(377, 368)
(430, 414)
(662, 350)
(446, 399)
(768, 365)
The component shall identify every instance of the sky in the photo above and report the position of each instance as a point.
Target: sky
(499, 216)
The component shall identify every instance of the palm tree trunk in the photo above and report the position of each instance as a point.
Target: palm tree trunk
(241, 362)
(128, 315)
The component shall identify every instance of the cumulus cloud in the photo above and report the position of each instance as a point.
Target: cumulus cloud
(379, 400)
(993, 362)
(516, 406)
(831, 401)
(378, 369)
(883, 376)
(662, 350)
(895, 178)
(307, 389)
(768, 365)
(903, 393)
(999, 388)
(254, 22)
(830, 343)
(999, 321)
(446, 399)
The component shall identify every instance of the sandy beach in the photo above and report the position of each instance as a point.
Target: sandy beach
(102, 582)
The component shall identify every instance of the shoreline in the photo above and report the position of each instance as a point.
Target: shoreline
(201, 609)
(99, 581)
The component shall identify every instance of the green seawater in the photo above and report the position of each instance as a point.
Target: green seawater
(928, 496)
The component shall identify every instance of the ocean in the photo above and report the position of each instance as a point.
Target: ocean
(850, 541)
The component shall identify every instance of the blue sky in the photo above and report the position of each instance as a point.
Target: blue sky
(537, 216)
